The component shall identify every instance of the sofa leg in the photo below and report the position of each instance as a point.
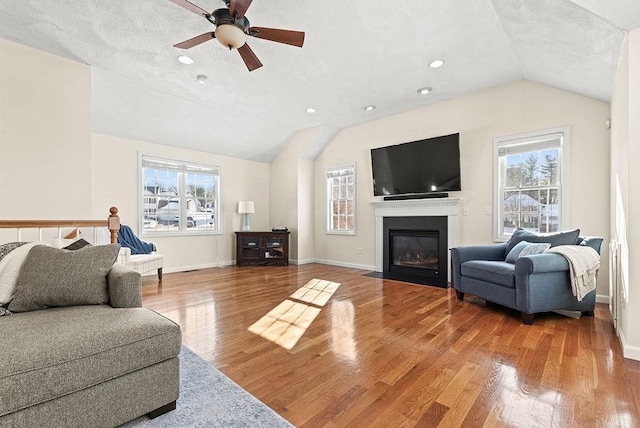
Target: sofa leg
(527, 318)
(161, 410)
(459, 295)
(160, 274)
(587, 313)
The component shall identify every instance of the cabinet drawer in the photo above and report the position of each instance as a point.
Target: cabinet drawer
(251, 242)
(275, 242)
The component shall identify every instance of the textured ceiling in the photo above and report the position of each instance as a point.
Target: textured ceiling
(356, 53)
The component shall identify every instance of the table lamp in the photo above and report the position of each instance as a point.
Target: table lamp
(246, 208)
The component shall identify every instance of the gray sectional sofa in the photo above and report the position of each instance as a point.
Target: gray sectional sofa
(88, 365)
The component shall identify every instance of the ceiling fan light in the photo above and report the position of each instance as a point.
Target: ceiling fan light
(230, 36)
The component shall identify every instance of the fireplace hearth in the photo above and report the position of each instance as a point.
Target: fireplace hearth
(415, 249)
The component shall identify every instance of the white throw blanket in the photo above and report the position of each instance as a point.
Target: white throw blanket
(584, 263)
(10, 267)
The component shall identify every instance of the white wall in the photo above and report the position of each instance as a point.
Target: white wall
(292, 193)
(45, 135)
(625, 154)
(115, 182)
(632, 332)
(305, 211)
(284, 197)
(504, 110)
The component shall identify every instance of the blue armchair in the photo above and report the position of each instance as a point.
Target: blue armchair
(534, 283)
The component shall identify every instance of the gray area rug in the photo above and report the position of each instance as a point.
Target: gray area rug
(208, 398)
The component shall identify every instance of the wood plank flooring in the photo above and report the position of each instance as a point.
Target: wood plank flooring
(392, 354)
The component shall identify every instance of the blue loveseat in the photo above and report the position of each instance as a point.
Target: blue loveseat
(532, 284)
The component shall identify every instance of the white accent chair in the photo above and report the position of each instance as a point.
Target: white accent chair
(141, 263)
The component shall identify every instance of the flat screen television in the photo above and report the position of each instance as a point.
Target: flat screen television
(419, 167)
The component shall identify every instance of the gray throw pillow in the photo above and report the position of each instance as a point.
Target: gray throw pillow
(515, 252)
(77, 245)
(532, 248)
(524, 248)
(56, 277)
(567, 237)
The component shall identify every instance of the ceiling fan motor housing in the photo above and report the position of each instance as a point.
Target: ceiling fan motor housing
(223, 17)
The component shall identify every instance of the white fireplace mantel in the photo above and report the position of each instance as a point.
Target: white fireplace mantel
(449, 207)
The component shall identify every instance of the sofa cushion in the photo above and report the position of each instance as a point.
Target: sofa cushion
(50, 353)
(567, 237)
(501, 273)
(525, 248)
(56, 277)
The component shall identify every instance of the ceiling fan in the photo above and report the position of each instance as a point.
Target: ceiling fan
(232, 29)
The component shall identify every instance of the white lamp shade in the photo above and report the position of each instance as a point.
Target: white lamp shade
(246, 207)
(230, 36)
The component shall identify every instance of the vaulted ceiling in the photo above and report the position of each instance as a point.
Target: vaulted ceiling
(356, 53)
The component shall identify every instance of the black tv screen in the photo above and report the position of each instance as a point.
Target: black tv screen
(423, 166)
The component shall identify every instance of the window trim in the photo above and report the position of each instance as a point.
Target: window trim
(183, 207)
(563, 159)
(328, 229)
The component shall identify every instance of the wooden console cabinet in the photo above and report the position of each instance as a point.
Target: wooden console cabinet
(262, 248)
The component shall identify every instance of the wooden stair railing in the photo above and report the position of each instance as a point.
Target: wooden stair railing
(112, 223)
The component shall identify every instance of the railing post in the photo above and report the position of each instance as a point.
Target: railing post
(114, 224)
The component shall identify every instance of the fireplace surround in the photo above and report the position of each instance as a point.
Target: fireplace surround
(447, 209)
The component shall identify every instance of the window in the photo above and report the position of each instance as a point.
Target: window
(178, 197)
(341, 197)
(531, 182)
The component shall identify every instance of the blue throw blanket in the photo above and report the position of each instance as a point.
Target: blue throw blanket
(128, 239)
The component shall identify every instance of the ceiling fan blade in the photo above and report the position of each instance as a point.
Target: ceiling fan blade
(195, 41)
(250, 59)
(240, 7)
(293, 38)
(192, 7)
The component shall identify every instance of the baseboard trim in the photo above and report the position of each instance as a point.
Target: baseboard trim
(343, 264)
(192, 267)
(602, 298)
(628, 351)
(301, 262)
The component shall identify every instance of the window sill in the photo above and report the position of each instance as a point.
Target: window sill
(341, 232)
(181, 234)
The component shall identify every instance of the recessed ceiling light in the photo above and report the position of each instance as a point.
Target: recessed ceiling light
(369, 108)
(185, 59)
(424, 91)
(437, 63)
(311, 110)
(202, 79)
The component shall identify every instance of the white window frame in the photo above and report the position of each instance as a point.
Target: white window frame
(329, 198)
(498, 174)
(182, 167)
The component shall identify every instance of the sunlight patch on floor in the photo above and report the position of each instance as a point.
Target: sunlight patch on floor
(317, 292)
(285, 324)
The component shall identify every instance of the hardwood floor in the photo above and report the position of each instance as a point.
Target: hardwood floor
(388, 353)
